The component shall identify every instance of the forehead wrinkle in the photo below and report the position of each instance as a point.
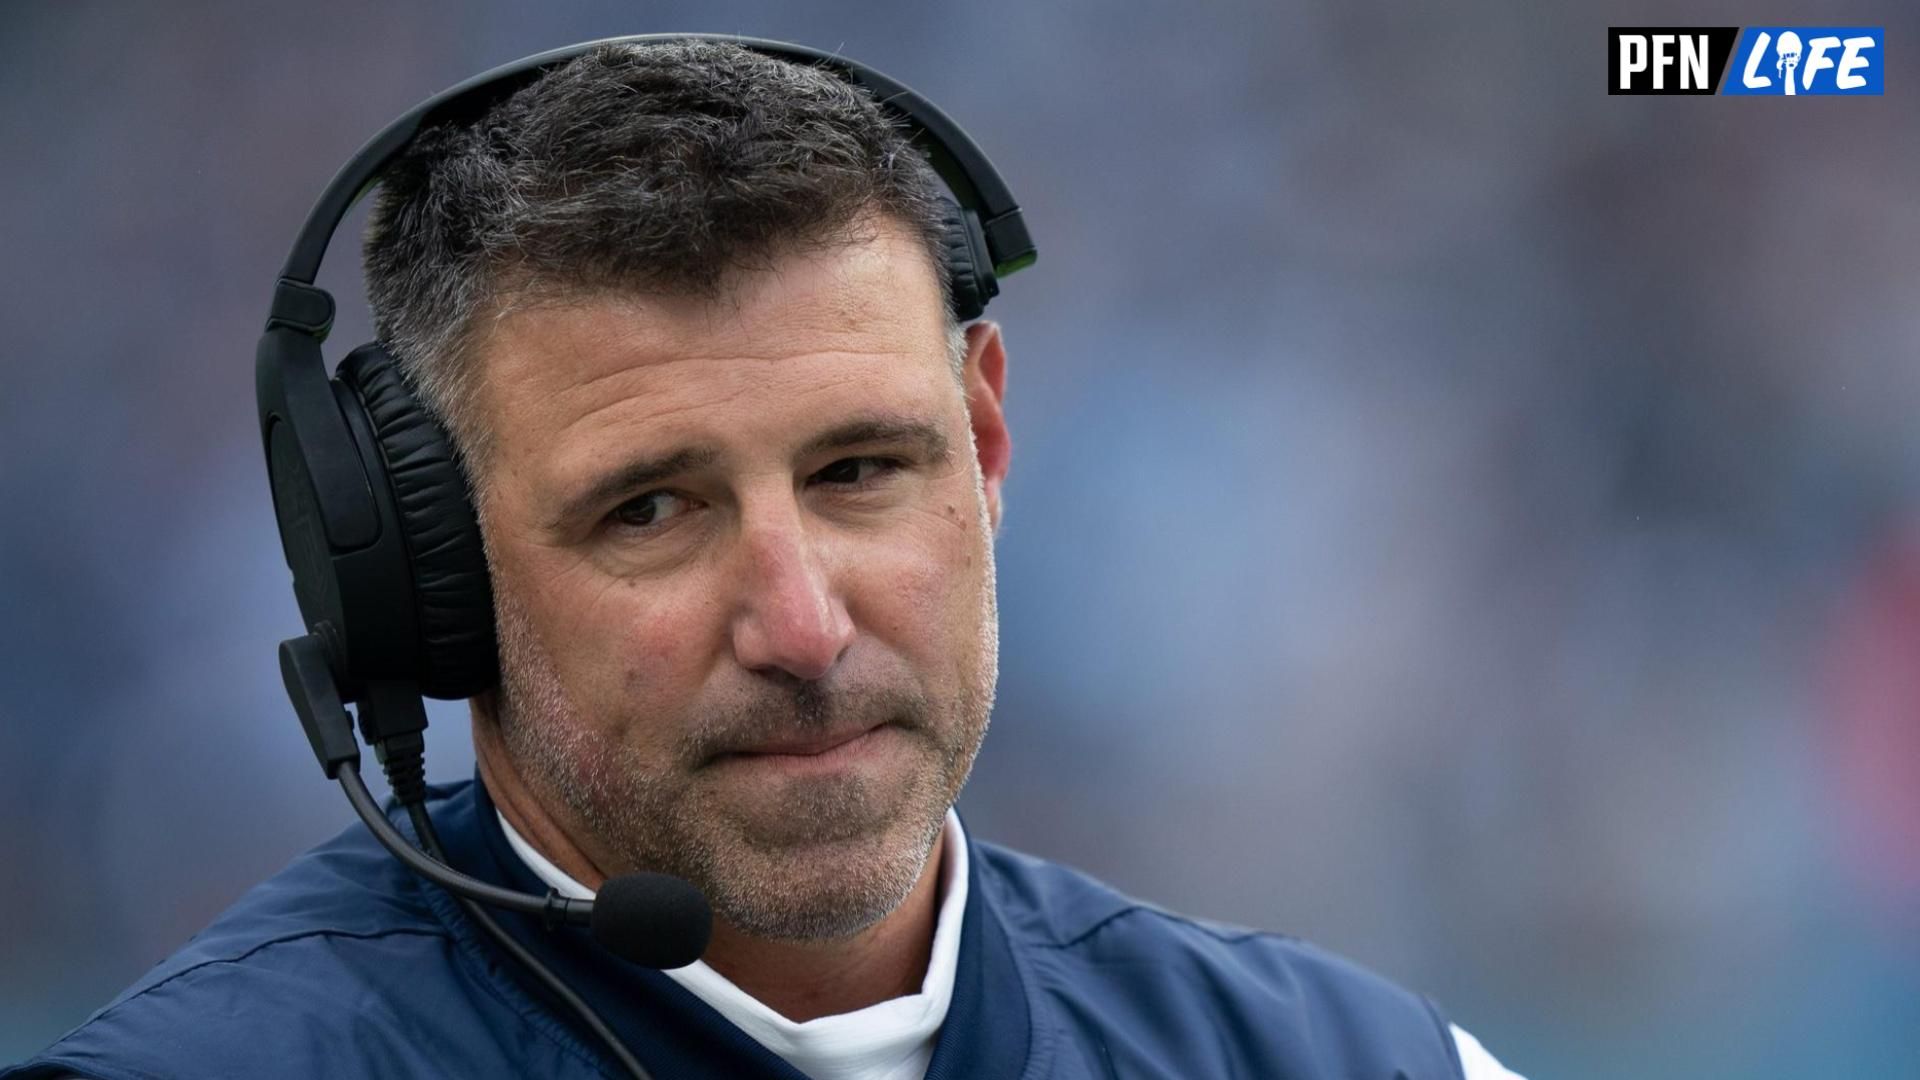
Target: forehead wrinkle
(643, 362)
(716, 394)
(664, 410)
(598, 328)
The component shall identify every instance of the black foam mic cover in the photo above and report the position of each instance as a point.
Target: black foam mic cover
(654, 920)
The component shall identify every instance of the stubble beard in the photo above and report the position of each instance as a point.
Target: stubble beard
(842, 855)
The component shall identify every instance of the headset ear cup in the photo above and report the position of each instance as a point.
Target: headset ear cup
(969, 271)
(452, 593)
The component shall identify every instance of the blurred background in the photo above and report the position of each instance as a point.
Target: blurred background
(1457, 516)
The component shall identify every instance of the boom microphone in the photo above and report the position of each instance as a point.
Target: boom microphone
(655, 920)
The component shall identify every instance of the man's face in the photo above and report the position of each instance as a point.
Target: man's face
(742, 557)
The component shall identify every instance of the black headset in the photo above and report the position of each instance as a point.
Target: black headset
(373, 509)
(380, 532)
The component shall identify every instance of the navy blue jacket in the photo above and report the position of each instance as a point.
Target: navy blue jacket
(346, 965)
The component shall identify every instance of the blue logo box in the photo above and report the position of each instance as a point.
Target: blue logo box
(1807, 60)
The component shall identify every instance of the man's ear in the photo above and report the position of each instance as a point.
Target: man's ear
(985, 380)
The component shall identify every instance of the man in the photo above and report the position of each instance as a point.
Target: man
(738, 471)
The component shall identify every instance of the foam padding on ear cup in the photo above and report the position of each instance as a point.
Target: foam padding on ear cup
(452, 592)
(971, 278)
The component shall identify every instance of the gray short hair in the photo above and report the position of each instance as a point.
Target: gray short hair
(665, 168)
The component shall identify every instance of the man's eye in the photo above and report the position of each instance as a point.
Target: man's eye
(857, 471)
(650, 509)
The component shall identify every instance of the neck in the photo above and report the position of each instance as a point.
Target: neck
(799, 980)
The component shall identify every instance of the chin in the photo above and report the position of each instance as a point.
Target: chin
(821, 891)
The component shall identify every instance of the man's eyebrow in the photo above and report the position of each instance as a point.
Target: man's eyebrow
(881, 428)
(636, 476)
(633, 478)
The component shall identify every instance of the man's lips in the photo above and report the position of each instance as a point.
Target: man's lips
(809, 745)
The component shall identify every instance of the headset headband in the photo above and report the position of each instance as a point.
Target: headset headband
(298, 305)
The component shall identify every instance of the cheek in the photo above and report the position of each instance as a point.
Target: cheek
(629, 650)
(922, 595)
(659, 647)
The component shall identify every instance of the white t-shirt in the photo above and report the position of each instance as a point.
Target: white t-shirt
(894, 1039)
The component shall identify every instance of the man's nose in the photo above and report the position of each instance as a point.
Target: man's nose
(790, 616)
